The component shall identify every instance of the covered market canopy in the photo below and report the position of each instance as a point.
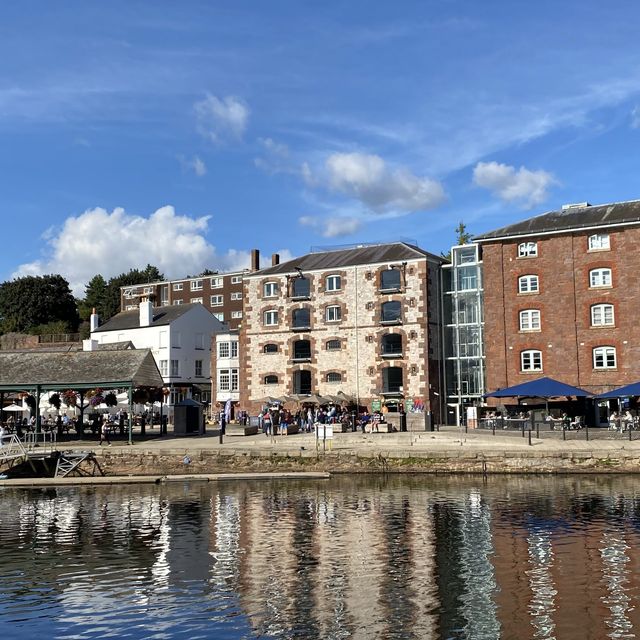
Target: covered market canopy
(539, 388)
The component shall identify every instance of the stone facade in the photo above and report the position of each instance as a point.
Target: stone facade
(268, 350)
(565, 297)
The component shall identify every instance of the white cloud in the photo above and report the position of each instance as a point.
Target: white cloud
(528, 187)
(196, 164)
(110, 243)
(275, 158)
(221, 119)
(332, 226)
(368, 179)
(635, 118)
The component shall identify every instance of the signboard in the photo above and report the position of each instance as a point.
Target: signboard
(472, 417)
(376, 405)
(324, 431)
(408, 405)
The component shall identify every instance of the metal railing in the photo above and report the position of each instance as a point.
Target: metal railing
(44, 441)
(11, 448)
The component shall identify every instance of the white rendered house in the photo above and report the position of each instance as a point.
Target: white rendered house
(179, 337)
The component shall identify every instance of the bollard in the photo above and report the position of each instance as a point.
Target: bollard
(529, 430)
(629, 433)
(523, 428)
(564, 433)
(493, 427)
(538, 430)
(353, 421)
(586, 430)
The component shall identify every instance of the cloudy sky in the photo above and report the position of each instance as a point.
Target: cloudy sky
(183, 134)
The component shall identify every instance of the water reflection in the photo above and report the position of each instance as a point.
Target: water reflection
(354, 557)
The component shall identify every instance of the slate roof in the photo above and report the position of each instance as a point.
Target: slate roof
(369, 254)
(570, 219)
(161, 316)
(85, 369)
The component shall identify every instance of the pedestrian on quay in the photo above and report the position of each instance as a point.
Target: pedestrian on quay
(104, 433)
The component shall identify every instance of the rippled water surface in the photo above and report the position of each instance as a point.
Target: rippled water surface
(351, 557)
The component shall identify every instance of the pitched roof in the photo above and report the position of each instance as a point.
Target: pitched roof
(368, 254)
(573, 217)
(161, 316)
(82, 368)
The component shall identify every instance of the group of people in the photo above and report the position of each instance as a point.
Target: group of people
(622, 422)
(275, 420)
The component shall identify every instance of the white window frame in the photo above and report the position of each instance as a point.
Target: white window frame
(175, 368)
(530, 320)
(224, 379)
(224, 350)
(234, 348)
(218, 316)
(217, 300)
(605, 358)
(196, 301)
(528, 280)
(270, 318)
(236, 314)
(236, 279)
(175, 302)
(164, 368)
(528, 360)
(196, 285)
(599, 242)
(333, 313)
(599, 313)
(235, 380)
(601, 277)
(270, 289)
(527, 250)
(236, 295)
(177, 286)
(331, 281)
(217, 282)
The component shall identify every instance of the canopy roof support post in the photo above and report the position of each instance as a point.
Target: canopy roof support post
(130, 415)
(38, 422)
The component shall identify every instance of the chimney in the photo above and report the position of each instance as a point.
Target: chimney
(89, 345)
(275, 259)
(146, 312)
(255, 259)
(93, 321)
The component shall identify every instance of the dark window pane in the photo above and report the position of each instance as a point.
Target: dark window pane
(392, 379)
(301, 288)
(390, 279)
(391, 343)
(301, 318)
(391, 311)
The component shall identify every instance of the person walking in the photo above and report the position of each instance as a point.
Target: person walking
(104, 433)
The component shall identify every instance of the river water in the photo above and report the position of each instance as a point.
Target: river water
(352, 557)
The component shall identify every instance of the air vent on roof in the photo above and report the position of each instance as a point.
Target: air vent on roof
(575, 205)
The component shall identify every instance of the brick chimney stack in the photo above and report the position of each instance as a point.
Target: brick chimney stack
(275, 259)
(255, 259)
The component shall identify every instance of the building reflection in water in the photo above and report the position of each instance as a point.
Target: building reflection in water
(355, 557)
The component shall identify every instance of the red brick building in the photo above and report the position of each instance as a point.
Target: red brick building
(561, 294)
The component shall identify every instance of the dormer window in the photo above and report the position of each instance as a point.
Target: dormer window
(599, 242)
(527, 249)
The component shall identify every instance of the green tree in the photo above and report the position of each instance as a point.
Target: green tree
(94, 297)
(462, 237)
(26, 303)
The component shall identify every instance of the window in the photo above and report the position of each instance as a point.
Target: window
(131, 307)
(236, 279)
(333, 345)
(216, 283)
(218, 316)
(391, 311)
(528, 284)
(217, 301)
(176, 340)
(530, 320)
(175, 367)
(196, 285)
(391, 344)
(147, 290)
(236, 314)
(302, 382)
(177, 302)
(236, 295)
(177, 286)
(334, 376)
(234, 349)
(333, 314)
(602, 315)
(270, 289)
(390, 280)
(531, 360)
(234, 380)
(300, 288)
(164, 367)
(199, 341)
(333, 283)
(302, 350)
(162, 340)
(196, 300)
(599, 242)
(198, 368)
(604, 358)
(392, 380)
(270, 348)
(600, 278)
(224, 379)
(301, 318)
(270, 318)
(467, 278)
(223, 350)
(271, 379)
(527, 249)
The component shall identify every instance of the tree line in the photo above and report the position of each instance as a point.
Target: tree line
(45, 304)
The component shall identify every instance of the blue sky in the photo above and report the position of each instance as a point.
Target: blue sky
(185, 134)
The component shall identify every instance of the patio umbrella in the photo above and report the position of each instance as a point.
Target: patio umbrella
(539, 388)
(317, 399)
(268, 400)
(632, 389)
(15, 407)
(346, 397)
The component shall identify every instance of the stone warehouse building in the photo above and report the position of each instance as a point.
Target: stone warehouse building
(363, 320)
(561, 297)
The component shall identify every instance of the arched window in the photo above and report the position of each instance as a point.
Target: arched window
(392, 380)
(270, 318)
(302, 350)
(270, 348)
(604, 358)
(333, 313)
(333, 345)
(390, 280)
(600, 277)
(391, 312)
(333, 283)
(602, 315)
(302, 382)
(531, 360)
(271, 379)
(300, 287)
(391, 345)
(334, 376)
(527, 249)
(528, 284)
(301, 318)
(270, 289)
(530, 320)
(599, 242)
